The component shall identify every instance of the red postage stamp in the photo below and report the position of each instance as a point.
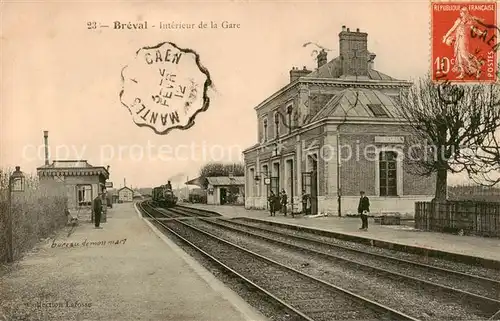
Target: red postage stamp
(464, 37)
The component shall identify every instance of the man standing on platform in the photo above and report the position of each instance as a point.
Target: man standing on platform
(272, 203)
(363, 210)
(284, 201)
(305, 199)
(98, 210)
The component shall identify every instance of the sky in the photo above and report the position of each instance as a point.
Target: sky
(58, 75)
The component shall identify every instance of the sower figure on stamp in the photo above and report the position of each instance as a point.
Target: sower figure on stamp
(363, 210)
(284, 201)
(98, 210)
(465, 61)
(272, 203)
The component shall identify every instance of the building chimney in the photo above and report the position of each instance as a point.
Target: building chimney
(296, 73)
(322, 58)
(124, 182)
(353, 52)
(46, 142)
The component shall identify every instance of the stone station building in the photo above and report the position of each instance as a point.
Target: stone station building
(347, 105)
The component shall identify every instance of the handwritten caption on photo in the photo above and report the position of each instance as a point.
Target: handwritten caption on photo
(86, 243)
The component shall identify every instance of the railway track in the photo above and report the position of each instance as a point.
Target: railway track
(434, 301)
(304, 296)
(481, 290)
(191, 213)
(178, 211)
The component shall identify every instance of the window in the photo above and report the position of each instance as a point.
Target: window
(289, 110)
(377, 110)
(265, 130)
(251, 182)
(388, 173)
(84, 195)
(276, 124)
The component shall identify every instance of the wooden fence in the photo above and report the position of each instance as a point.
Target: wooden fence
(469, 217)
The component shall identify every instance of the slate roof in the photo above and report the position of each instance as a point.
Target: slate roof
(332, 69)
(224, 180)
(359, 102)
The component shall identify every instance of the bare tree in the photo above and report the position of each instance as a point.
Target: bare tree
(454, 128)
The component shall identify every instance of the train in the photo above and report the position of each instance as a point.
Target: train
(163, 196)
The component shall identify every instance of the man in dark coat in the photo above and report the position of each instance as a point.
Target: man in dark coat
(363, 210)
(284, 201)
(272, 203)
(305, 199)
(98, 210)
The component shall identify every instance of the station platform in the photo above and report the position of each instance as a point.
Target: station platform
(125, 271)
(472, 246)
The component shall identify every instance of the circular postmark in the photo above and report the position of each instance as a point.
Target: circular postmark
(165, 87)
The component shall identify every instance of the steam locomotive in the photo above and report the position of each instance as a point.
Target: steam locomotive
(163, 196)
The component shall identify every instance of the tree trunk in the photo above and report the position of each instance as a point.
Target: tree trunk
(441, 185)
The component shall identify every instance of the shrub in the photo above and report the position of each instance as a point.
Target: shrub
(36, 213)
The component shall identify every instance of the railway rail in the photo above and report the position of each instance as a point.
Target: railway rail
(305, 296)
(396, 291)
(481, 290)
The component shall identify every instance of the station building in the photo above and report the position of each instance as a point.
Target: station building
(308, 129)
(125, 194)
(81, 181)
(225, 190)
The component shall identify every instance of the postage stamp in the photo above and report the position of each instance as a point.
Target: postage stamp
(464, 41)
(165, 87)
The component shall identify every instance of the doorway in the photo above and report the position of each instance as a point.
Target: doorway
(223, 196)
(310, 183)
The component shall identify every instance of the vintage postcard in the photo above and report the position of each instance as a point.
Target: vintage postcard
(249, 160)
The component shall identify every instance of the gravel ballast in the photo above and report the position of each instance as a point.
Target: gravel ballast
(288, 285)
(255, 298)
(460, 267)
(398, 294)
(458, 281)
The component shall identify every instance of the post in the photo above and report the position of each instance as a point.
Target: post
(291, 190)
(339, 188)
(10, 246)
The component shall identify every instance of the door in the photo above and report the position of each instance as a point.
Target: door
(310, 186)
(223, 196)
(275, 185)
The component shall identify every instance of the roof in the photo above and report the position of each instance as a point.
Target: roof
(196, 181)
(225, 180)
(333, 69)
(359, 102)
(71, 168)
(125, 188)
